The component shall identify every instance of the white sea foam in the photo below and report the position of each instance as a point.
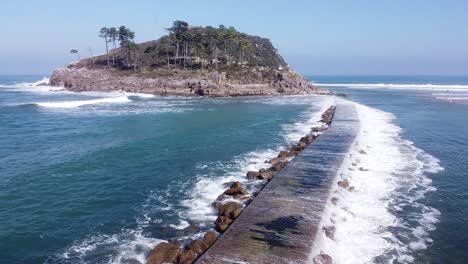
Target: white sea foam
(432, 87)
(369, 224)
(130, 245)
(78, 103)
(209, 187)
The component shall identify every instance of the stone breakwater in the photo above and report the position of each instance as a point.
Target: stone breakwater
(214, 84)
(232, 202)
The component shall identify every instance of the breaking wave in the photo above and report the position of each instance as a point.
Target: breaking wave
(383, 219)
(432, 87)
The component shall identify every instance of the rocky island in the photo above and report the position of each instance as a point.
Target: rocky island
(188, 61)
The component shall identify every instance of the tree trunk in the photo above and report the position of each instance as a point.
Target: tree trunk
(107, 51)
(113, 53)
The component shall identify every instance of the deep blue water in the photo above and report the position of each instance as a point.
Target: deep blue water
(105, 180)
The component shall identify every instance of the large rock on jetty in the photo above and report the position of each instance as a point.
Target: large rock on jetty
(159, 70)
(164, 253)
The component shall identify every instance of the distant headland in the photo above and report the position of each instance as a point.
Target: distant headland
(188, 61)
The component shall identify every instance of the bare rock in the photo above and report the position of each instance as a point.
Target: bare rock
(278, 166)
(236, 184)
(187, 257)
(222, 223)
(230, 209)
(276, 160)
(252, 175)
(164, 253)
(197, 246)
(236, 191)
(283, 154)
(265, 174)
(344, 184)
(209, 238)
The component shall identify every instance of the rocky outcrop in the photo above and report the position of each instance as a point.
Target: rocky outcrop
(79, 78)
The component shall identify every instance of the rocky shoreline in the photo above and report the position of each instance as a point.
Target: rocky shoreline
(180, 83)
(231, 203)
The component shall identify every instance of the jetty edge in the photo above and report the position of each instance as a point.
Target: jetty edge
(245, 219)
(281, 223)
(188, 61)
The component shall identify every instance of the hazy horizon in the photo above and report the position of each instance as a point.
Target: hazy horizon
(337, 38)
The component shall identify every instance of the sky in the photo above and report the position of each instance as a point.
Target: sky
(334, 37)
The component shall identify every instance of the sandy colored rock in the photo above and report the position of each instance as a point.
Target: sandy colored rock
(252, 175)
(230, 209)
(209, 238)
(164, 253)
(222, 223)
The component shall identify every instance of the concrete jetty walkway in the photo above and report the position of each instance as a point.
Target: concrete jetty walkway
(280, 225)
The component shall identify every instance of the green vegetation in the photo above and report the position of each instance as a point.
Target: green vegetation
(192, 48)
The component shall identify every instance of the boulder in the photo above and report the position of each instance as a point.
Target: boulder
(351, 189)
(209, 238)
(236, 184)
(187, 257)
(222, 223)
(319, 129)
(236, 191)
(283, 154)
(344, 184)
(276, 160)
(308, 139)
(252, 175)
(293, 153)
(265, 174)
(197, 246)
(230, 209)
(322, 259)
(278, 166)
(164, 253)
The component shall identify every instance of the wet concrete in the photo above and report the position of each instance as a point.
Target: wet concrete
(280, 225)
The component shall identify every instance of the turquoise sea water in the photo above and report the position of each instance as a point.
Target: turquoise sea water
(103, 177)
(106, 180)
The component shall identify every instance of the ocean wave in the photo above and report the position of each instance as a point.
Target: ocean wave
(389, 179)
(78, 103)
(438, 87)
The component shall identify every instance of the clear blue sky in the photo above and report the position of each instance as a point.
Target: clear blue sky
(315, 37)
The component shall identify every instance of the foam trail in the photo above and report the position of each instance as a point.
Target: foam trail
(388, 175)
(73, 104)
(431, 87)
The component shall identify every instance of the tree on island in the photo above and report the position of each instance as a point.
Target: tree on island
(113, 36)
(74, 51)
(104, 33)
(179, 29)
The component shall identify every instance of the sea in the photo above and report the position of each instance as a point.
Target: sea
(98, 177)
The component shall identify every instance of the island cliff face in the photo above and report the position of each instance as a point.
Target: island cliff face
(190, 61)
